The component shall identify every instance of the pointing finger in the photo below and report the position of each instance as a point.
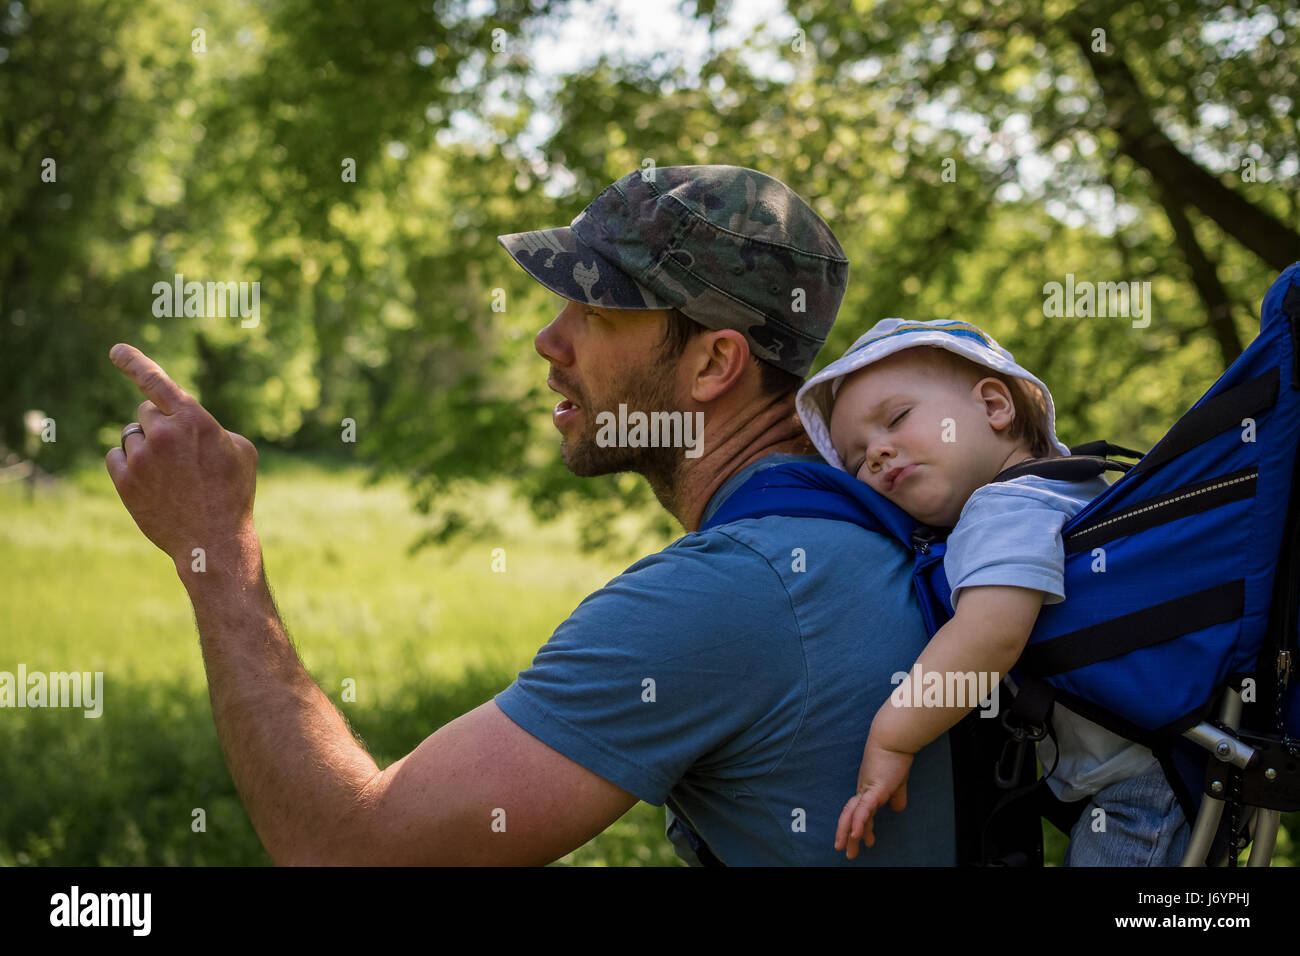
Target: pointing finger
(149, 378)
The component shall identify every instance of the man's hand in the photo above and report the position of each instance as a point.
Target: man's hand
(883, 777)
(187, 482)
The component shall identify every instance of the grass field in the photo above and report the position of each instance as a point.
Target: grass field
(425, 637)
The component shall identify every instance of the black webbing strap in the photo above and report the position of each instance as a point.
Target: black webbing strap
(1104, 449)
(1085, 461)
(1034, 701)
(1029, 721)
(1073, 468)
(1130, 632)
(1012, 836)
(1226, 410)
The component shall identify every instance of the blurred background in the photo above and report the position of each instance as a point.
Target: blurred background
(357, 161)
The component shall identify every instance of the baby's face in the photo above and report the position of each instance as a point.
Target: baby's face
(917, 434)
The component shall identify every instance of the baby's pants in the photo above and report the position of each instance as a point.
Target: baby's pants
(1144, 826)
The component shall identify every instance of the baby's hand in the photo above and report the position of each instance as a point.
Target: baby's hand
(883, 777)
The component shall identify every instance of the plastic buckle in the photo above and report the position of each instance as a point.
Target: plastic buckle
(922, 538)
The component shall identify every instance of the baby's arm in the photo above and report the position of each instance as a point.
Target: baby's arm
(987, 633)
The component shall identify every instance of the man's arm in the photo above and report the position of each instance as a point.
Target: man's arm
(314, 794)
(478, 791)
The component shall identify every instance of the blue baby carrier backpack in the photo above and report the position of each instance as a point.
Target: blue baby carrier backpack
(1181, 622)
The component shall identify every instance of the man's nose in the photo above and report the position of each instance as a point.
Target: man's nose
(553, 342)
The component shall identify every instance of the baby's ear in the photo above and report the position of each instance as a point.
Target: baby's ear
(999, 404)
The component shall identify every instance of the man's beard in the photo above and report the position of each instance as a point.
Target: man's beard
(649, 390)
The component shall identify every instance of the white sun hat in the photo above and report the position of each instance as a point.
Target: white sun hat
(888, 336)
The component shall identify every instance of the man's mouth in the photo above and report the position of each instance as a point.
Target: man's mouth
(565, 409)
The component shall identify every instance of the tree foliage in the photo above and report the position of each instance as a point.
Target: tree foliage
(965, 153)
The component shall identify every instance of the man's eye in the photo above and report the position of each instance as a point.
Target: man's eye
(899, 418)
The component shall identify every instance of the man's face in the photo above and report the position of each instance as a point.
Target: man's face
(600, 358)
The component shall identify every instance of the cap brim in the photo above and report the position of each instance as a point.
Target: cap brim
(569, 267)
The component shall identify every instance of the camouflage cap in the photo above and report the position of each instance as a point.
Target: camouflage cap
(730, 247)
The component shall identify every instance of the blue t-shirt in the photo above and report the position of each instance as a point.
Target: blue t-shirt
(734, 675)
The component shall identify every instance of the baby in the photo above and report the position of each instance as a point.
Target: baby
(928, 414)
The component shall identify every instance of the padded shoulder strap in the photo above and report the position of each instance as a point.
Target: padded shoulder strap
(813, 490)
(1085, 461)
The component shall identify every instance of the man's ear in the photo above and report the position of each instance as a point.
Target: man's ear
(999, 406)
(715, 361)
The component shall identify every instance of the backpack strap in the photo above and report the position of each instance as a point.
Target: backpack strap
(1085, 461)
(814, 490)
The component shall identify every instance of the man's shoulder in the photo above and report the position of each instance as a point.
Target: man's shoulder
(760, 533)
(698, 588)
(766, 578)
(751, 544)
(723, 552)
(811, 549)
(690, 648)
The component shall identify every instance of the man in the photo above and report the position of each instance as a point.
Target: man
(731, 676)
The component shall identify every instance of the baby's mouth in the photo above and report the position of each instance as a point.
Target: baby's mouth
(895, 475)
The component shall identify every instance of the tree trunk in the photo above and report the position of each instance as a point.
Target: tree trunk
(1186, 182)
(1205, 276)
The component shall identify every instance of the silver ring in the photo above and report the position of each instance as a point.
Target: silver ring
(135, 428)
